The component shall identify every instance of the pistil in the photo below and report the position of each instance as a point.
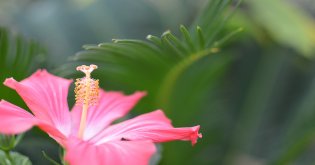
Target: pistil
(86, 93)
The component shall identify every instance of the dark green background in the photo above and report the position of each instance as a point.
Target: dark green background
(244, 73)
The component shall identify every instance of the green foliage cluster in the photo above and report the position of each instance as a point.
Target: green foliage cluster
(19, 57)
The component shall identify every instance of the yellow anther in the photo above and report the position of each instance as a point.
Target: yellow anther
(86, 88)
(86, 91)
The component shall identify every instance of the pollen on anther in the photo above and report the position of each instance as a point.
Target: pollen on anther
(86, 88)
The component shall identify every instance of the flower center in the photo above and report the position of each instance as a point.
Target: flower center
(86, 93)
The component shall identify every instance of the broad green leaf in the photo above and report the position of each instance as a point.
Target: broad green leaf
(286, 22)
(13, 158)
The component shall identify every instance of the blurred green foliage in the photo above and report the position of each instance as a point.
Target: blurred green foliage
(245, 74)
(284, 22)
(19, 58)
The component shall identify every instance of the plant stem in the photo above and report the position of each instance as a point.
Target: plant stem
(7, 153)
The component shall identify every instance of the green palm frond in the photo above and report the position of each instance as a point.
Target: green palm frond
(213, 19)
(158, 62)
(154, 65)
(19, 57)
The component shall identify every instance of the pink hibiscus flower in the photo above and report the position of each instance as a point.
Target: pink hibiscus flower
(85, 132)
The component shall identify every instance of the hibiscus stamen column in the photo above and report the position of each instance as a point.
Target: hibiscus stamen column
(86, 93)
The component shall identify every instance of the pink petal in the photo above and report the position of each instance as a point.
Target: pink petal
(13, 119)
(114, 153)
(112, 105)
(53, 132)
(46, 96)
(153, 126)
